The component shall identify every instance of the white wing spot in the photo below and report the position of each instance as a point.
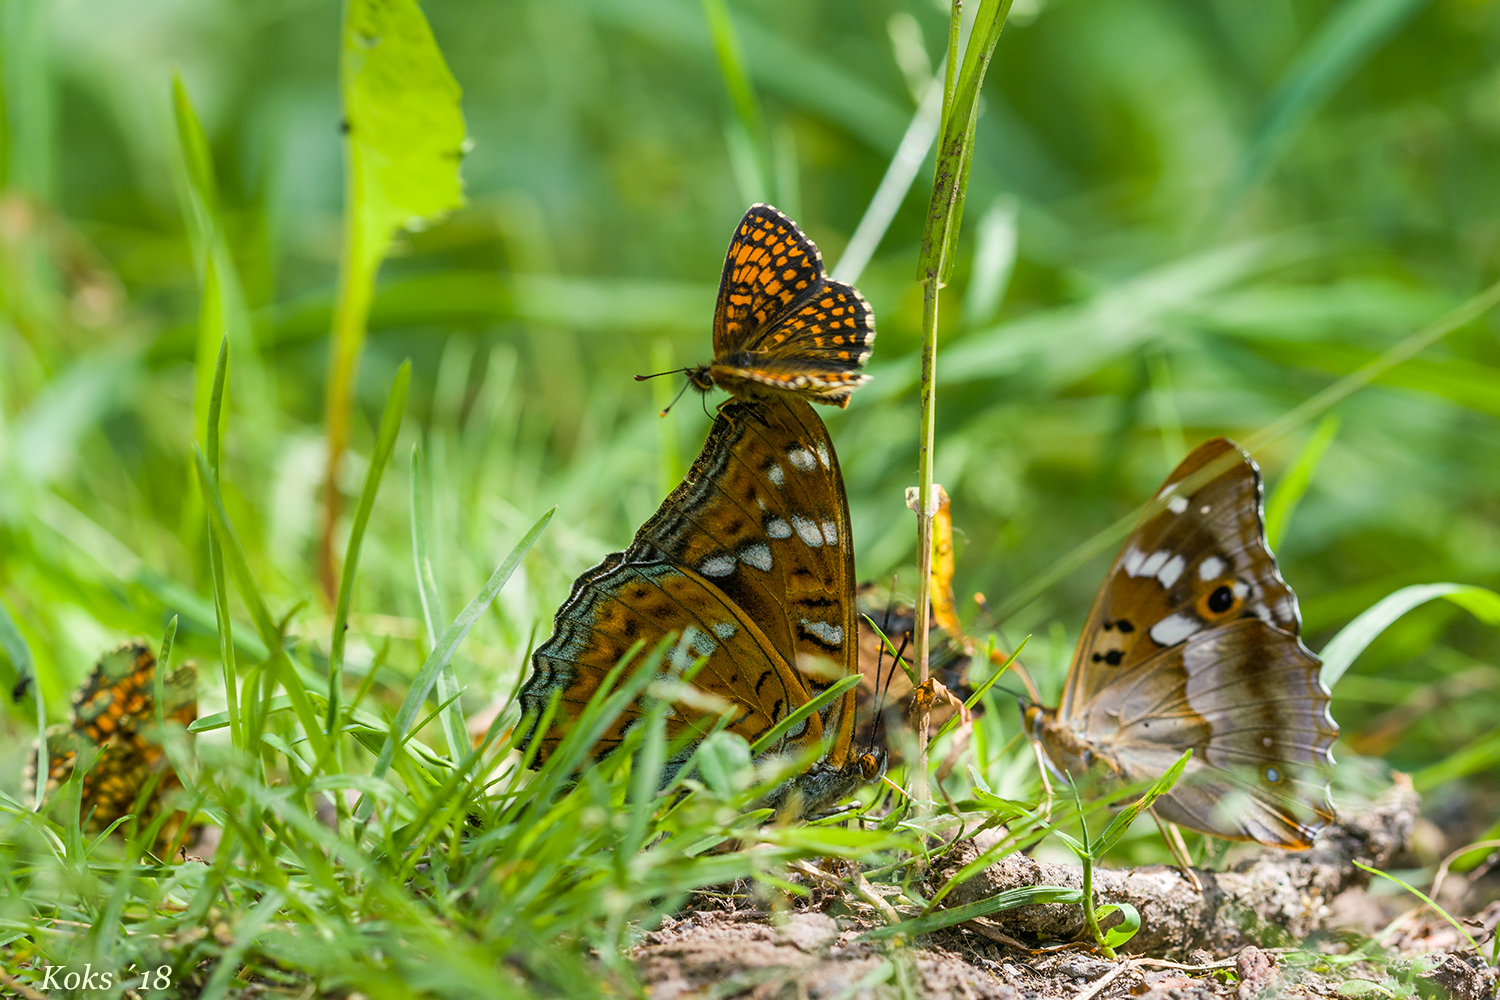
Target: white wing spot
(776, 474)
(1241, 589)
(1211, 568)
(807, 530)
(830, 533)
(694, 643)
(1154, 562)
(831, 634)
(1204, 509)
(1177, 504)
(802, 460)
(822, 450)
(777, 528)
(1133, 560)
(719, 565)
(1173, 629)
(757, 555)
(1171, 571)
(724, 630)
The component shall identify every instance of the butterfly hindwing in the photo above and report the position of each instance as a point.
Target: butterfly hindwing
(1246, 698)
(781, 322)
(750, 559)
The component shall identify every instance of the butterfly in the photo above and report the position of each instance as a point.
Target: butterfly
(114, 713)
(1193, 642)
(749, 563)
(781, 324)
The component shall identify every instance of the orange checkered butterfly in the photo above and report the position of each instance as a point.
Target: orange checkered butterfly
(781, 324)
(1193, 643)
(749, 563)
(114, 712)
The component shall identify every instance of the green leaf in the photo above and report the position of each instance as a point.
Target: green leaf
(1342, 650)
(825, 697)
(1028, 895)
(956, 144)
(1126, 816)
(1294, 483)
(1123, 931)
(405, 126)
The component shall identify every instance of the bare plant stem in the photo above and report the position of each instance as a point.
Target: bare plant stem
(960, 110)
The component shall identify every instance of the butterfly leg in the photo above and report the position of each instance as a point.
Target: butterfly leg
(1173, 836)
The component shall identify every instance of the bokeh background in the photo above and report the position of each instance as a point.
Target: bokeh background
(1185, 218)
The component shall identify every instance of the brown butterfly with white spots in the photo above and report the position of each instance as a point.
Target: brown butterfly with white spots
(749, 563)
(1192, 643)
(781, 324)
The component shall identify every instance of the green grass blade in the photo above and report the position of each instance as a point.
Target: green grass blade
(1029, 895)
(385, 443)
(1342, 650)
(454, 728)
(443, 650)
(1289, 491)
(1117, 827)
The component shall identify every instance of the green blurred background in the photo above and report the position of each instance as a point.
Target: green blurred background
(1185, 218)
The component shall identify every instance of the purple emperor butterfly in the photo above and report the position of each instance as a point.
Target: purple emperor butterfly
(1193, 643)
(749, 563)
(781, 324)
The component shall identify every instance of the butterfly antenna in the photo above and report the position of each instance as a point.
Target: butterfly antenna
(674, 398)
(880, 691)
(674, 371)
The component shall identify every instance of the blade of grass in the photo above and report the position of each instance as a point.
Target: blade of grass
(961, 89)
(385, 443)
(454, 727)
(1295, 481)
(442, 651)
(216, 556)
(1342, 650)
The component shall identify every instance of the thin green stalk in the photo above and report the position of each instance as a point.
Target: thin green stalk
(961, 88)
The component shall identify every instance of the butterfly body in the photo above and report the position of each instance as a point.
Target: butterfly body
(781, 325)
(1193, 643)
(748, 563)
(114, 715)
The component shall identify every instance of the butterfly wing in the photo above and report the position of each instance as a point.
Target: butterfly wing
(752, 554)
(1246, 698)
(1193, 642)
(781, 321)
(1200, 561)
(114, 712)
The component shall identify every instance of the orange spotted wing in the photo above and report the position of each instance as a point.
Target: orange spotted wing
(781, 324)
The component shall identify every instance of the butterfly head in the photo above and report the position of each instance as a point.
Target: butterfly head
(818, 790)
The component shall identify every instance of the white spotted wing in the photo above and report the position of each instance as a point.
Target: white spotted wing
(749, 560)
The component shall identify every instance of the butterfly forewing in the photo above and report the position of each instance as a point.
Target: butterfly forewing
(751, 552)
(781, 321)
(1200, 561)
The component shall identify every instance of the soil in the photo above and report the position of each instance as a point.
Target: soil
(1279, 924)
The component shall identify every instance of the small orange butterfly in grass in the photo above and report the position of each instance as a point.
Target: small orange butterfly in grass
(781, 324)
(749, 562)
(114, 714)
(1192, 643)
